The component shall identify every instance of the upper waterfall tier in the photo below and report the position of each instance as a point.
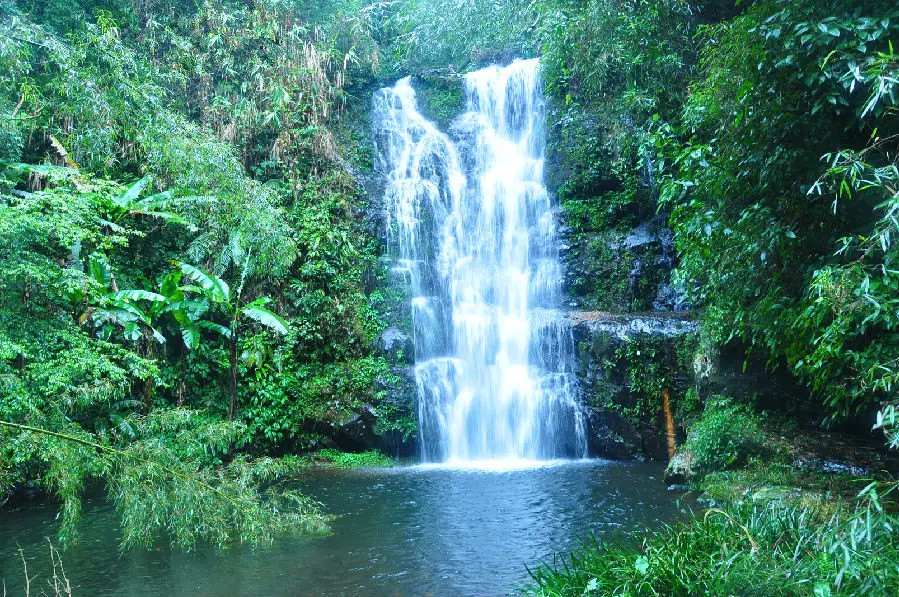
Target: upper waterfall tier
(472, 230)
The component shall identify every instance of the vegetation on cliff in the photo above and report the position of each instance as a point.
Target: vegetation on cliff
(190, 284)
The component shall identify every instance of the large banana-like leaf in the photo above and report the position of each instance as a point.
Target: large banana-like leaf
(132, 331)
(265, 317)
(158, 336)
(170, 288)
(190, 333)
(136, 295)
(99, 270)
(155, 205)
(158, 201)
(120, 313)
(215, 327)
(215, 288)
(129, 197)
(190, 310)
(119, 306)
(162, 215)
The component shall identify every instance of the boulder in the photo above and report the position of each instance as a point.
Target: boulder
(396, 345)
(680, 469)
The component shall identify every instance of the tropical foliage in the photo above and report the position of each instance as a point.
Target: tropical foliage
(186, 284)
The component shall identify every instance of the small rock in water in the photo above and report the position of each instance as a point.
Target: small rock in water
(678, 487)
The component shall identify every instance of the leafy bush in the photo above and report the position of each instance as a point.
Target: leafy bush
(782, 190)
(724, 437)
(338, 459)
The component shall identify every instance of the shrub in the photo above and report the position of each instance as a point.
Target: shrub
(724, 437)
(369, 459)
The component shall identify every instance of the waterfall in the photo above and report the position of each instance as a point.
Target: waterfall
(471, 229)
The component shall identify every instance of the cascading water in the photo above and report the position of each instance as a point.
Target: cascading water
(472, 230)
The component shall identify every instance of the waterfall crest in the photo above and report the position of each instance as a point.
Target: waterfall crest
(471, 229)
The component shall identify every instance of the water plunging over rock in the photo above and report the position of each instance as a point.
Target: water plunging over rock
(472, 230)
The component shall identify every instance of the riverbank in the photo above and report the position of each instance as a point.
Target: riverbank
(777, 515)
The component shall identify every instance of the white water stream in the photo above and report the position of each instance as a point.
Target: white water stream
(472, 230)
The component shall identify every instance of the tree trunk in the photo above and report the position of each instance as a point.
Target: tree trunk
(233, 374)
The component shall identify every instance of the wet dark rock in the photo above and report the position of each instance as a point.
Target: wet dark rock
(605, 381)
(616, 328)
(679, 487)
(624, 270)
(670, 298)
(609, 435)
(732, 371)
(640, 236)
(599, 337)
(396, 345)
(833, 467)
(356, 431)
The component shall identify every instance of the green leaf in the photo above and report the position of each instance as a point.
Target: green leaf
(99, 270)
(136, 295)
(829, 29)
(215, 288)
(132, 331)
(642, 565)
(120, 313)
(169, 287)
(215, 327)
(265, 317)
(158, 336)
(191, 335)
(187, 309)
(131, 194)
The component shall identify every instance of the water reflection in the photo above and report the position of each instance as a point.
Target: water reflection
(408, 531)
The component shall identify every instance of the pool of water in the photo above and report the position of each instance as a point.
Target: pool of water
(422, 530)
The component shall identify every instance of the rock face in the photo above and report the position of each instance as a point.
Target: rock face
(622, 269)
(396, 345)
(625, 421)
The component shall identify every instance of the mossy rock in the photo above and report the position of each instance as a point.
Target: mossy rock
(441, 97)
(680, 469)
(781, 495)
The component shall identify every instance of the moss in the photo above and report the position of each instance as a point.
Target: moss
(440, 98)
(595, 168)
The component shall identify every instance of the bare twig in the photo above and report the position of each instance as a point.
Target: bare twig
(27, 579)
(60, 580)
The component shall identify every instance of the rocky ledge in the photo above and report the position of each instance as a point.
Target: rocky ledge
(605, 345)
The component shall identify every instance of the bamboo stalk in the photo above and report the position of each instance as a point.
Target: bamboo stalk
(669, 424)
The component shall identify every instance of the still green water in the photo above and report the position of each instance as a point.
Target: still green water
(404, 531)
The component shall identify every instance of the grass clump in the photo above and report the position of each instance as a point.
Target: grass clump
(332, 458)
(742, 549)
